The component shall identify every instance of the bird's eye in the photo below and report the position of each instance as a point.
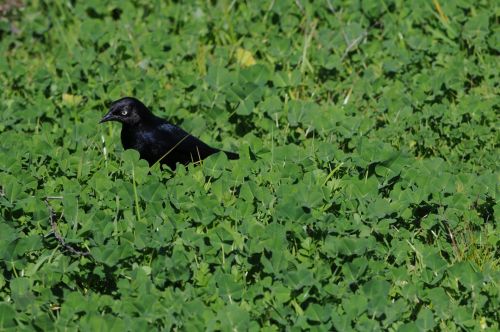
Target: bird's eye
(124, 112)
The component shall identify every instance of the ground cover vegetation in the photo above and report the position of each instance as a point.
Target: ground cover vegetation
(364, 198)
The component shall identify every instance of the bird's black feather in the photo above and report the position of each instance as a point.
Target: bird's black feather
(154, 138)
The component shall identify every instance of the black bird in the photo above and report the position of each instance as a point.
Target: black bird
(155, 138)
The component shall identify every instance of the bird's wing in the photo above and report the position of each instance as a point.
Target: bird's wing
(182, 146)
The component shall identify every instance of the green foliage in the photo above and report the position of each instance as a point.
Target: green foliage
(364, 199)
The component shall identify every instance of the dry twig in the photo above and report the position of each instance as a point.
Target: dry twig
(62, 242)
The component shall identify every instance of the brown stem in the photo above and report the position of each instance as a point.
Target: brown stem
(53, 224)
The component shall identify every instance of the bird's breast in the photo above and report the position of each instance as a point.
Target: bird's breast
(150, 145)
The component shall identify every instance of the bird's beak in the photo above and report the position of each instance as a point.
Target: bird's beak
(107, 117)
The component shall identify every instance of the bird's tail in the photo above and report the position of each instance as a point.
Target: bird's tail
(232, 155)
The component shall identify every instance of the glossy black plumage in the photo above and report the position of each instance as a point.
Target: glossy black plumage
(154, 138)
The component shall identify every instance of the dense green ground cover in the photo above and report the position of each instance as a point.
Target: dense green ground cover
(365, 198)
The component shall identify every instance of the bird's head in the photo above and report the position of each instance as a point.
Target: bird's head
(127, 110)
